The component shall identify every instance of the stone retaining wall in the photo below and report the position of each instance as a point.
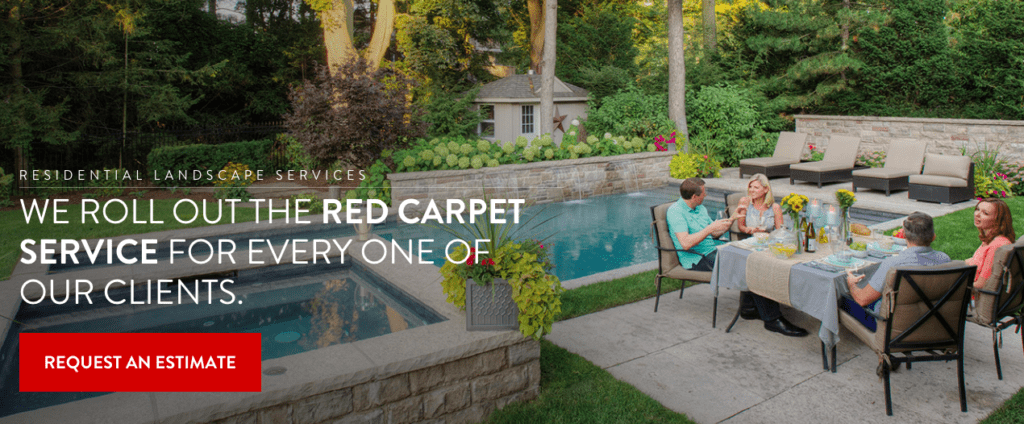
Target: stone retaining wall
(538, 182)
(945, 136)
(462, 391)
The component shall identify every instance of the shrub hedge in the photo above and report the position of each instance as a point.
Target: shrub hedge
(256, 154)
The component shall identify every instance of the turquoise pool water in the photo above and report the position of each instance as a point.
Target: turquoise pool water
(585, 237)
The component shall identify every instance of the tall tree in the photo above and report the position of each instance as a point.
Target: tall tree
(677, 70)
(536, 8)
(710, 26)
(547, 88)
(337, 18)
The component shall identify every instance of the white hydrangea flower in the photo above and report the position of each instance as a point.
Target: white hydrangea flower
(575, 122)
(607, 135)
(572, 133)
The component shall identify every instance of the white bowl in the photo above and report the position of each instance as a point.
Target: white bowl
(859, 253)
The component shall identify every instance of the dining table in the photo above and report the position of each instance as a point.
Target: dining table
(809, 282)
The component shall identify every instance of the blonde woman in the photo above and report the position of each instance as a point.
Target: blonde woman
(758, 211)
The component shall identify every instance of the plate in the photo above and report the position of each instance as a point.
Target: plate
(852, 263)
(894, 249)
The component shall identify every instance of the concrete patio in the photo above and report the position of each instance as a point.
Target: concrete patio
(753, 376)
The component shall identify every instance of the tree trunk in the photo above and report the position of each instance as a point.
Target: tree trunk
(382, 28)
(17, 55)
(710, 26)
(547, 84)
(338, 25)
(212, 6)
(845, 25)
(677, 71)
(536, 8)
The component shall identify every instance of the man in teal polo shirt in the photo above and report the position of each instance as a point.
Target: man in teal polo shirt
(692, 228)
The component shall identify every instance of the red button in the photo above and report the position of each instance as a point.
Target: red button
(140, 362)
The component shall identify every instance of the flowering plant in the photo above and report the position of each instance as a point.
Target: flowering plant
(996, 184)
(845, 198)
(815, 154)
(661, 143)
(482, 271)
(874, 159)
(792, 204)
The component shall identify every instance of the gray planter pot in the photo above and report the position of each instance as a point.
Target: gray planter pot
(491, 308)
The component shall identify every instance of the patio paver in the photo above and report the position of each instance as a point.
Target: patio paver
(752, 376)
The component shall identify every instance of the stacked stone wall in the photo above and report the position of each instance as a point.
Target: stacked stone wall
(465, 390)
(944, 136)
(539, 182)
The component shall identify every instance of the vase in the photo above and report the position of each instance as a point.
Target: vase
(491, 307)
(363, 230)
(844, 227)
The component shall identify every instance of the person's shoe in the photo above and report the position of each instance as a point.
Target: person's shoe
(748, 309)
(784, 327)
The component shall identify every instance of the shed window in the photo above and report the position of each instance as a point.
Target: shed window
(486, 127)
(528, 120)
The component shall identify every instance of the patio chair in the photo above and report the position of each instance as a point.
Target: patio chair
(668, 260)
(902, 160)
(732, 201)
(945, 179)
(837, 166)
(787, 152)
(998, 304)
(922, 316)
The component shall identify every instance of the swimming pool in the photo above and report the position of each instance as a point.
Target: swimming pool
(296, 308)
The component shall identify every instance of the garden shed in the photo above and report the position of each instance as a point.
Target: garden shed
(511, 107)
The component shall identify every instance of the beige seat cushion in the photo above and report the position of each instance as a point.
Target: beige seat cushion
(790, 146)
(909, 307)
(681, 273)
(772, 161)
(883, 173)
(937, 180)
(820, 166)
(842, 150)
(860, 331)
(906, 155)
(985, 304)
(947, 166)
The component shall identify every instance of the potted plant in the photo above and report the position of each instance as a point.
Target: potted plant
(504, 286)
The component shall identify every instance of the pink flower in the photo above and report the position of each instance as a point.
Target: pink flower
(810, 146)
(705, 156)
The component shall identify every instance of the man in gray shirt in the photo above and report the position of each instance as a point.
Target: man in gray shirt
(919, 231)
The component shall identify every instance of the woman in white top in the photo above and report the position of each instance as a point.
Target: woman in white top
(758, 211)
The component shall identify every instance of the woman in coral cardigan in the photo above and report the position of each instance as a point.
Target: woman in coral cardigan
(995, 229)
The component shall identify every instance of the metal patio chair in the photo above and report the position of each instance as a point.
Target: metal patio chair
(998, 305)
(668, 260)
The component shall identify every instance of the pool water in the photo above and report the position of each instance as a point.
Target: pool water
(296, 308)
(584, 237)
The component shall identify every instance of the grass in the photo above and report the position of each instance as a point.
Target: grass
(573, 390)
(15, 229)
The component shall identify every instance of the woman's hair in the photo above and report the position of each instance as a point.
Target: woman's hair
(769, 198)
(1003, 224)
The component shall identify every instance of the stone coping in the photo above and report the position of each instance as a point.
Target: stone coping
(906, 119)
(403, 176)
(308, 373)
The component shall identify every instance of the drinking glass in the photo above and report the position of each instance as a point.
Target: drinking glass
(721, 214)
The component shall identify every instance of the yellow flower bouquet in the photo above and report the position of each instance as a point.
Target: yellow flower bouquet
(845, 198)
(792, 204)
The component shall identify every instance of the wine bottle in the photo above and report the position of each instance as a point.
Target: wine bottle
(812, 239)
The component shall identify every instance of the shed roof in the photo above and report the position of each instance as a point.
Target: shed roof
(517, 88)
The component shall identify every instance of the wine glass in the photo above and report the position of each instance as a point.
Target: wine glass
(721, 214)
